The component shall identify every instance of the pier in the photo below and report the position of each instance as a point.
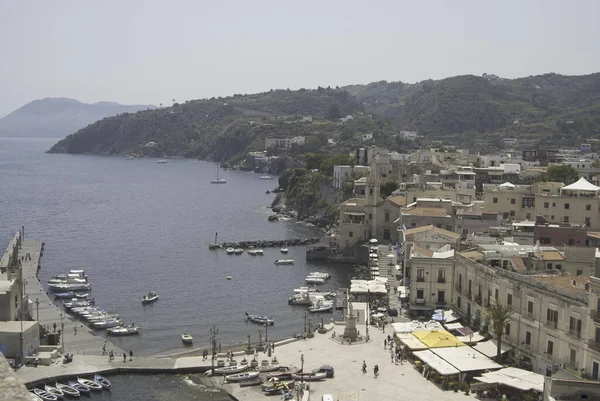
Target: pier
(265, 243)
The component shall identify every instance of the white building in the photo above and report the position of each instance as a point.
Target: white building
(340, 173)
(284, 143)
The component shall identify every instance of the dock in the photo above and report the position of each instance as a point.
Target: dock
(42, 307)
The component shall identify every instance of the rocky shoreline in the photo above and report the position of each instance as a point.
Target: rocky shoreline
(267, 243)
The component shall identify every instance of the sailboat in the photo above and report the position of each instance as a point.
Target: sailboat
(218, 180)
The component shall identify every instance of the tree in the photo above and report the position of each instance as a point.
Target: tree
(334, 112)
(387, 189)
(561, 173)
(499, 316)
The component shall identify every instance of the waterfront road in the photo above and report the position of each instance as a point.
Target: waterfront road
(85, 342)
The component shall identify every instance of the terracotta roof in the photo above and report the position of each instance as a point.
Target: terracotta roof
(518, 263)
(472, 254)
(593, 234)
(398, 200)
(426, 211)
(422, 251)
(412, 231)
(566, 282)
(552, 256)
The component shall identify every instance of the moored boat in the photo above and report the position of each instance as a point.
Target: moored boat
(260, 319)
(187, 338)
(151, 296)
(320, 306)
(228, 370)
(265, 177)
(43, 394)
(268, 368)
(101, 380)
(123, 331)
(283, 372)
(162, 161)
(68, 390)
(82, 388)
(300, 299)
(236, 377)
(283, 250)
(56, 391)
(309, 376)
(259, 252)
(230, 251)
(90, 383)
(314, 280)
(238, 251)
(285, 261)
(34, 397)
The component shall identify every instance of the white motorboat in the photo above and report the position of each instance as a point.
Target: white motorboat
(285, 261)
(260, 319)
(303, 290)
(319, 274)
(107, 323)
(65, 287)
(230, 251)
(123, 331)
(321, 307)
(218, 180)
(265, 177)
(252, 251)
(283, 250)
(150, 297)
(187, 338)
(238, 251)
(300, 299)
(162, 161)
(314, 280)
(229, 370)
(242, 376)
(259, 252)
(73, 392)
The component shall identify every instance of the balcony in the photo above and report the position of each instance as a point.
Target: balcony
(551, 324)
(420, 279)
(575, 333)
(440, 302)
(441, 279)
(458, 288)
(528, 316)
(593, 344)
(526, 347)
(419, 301)
(478, 300)
(595, 316)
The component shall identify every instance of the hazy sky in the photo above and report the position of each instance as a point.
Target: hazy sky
(153, 51)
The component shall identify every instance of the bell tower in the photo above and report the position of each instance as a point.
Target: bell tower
(372, 198)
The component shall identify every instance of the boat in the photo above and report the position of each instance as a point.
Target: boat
(150, 297)
(34, 397)
(69, 287)
(101, 380)
(265, 177)
(314, 280)
(218, 180)
(68, 390)
(303, 290)
(282, 373)
(300, 299)
(326, 276)
(309, 376)
(319, 307)
(230, 251)
(252, 251)
(238, 251)
(107, 323)
(250, 382)
(43, 394)
(187, 338)
(242, 376)
(285, 261)
(283, 250)
(56, 391)
(162, 161)
(259, 252)
(229, 370)
(123, 331)
(260, 319)
(82, 388)
(268, 368)
(90, 383)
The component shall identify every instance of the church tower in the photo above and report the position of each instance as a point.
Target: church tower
(372, 198)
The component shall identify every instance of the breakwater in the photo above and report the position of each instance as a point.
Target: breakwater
(265, 243)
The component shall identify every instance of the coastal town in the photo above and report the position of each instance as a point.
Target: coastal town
(481, 282)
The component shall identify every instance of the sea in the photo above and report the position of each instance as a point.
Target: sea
(135, 225)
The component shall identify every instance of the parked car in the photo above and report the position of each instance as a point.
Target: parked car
(327, 369)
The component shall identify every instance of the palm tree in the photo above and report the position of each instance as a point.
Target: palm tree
(499, 316)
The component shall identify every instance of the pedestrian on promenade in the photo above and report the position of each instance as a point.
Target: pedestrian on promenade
(273, 346)
(392, 357)
(54, 327)
(111, 356)
(75, 329)
(130, 355)
(384, 343)
(376, 371)
(104, 348)
(124, 357)
(219, 347)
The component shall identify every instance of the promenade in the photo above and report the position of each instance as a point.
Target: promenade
(85, 342)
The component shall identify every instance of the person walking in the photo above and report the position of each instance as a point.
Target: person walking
(124, 357)
(111, 355)
(376, 371)
(104, 348)
(384, 343)
(130, 355)
(392, 356)
(364, 367)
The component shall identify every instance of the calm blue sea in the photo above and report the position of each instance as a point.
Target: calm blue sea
(137, 225)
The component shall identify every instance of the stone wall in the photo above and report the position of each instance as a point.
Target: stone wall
(11, 387)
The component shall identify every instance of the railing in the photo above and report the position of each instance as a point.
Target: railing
(440, 302)
(528, 316)
(420, 279)
(441, 279)
(551, 324)
(575, 333)
(593, 344)
(526, 347)
(595, 316)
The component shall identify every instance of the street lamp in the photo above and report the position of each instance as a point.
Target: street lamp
(266, 333)
(368, 312)
(37, 309)
(213, 340)
(302, 362)
(305, 316)
(62, 332)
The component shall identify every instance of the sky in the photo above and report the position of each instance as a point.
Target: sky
(150, 51)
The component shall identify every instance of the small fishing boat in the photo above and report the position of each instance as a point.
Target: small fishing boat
(162, 161)
(282, 373)
(230, 251)
(123, 331)
(238, 251)
(300, 299)
(259, 252)
(283, 250)
(82, 388)
(309, 376)
(268, 368)
(90, 383)
(265, 177)
(326, 276)
(187, 338)
(260, 319)
(34, 397)
(151, 296)
(56, 391)
(228, 370)
(285, 261)
(314, 280)
(101, 380)
(252, 251)
(320, 307)
(43, 394)
(68, 390)
(242, 376)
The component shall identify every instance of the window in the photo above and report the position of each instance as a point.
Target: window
(465, 231)
(441, 298)
(513, 201)
(553, 204)
(528, 337)
(420, 293)
(558, 267)
(566, 219)
(552, 217)
(546, 204)
(549, 267)
(387, 216)
(571, 241)
(566, 206)
(507, 329)
(588, 221)
(386, 234)
(370, 216)
(512, 213)
(459, 302)
(414, 198)
(370, 191)
(495, 200)
(552, 317)
(550, 347)
(575, 326)
(496, 294)
(530, 307)
(509, 299)
(420, 274)
(573, 356)
(505, 216)
(441, 276)
(350, 234)
(588, 207)
(527, 216)
(579, 272)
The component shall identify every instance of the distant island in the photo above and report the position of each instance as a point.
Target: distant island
(478, 112)
(59, 117)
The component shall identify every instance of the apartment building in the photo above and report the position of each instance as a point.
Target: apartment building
(284, 143)
(431, 278)
(549, 325)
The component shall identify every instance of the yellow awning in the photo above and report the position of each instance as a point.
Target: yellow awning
(438, 339)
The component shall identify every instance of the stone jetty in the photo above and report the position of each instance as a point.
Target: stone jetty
(266, 243)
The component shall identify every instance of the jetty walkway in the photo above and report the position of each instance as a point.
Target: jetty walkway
(265, 243)
(41, 307)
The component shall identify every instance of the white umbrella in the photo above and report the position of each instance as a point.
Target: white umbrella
(391, 255)
(373, 241)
